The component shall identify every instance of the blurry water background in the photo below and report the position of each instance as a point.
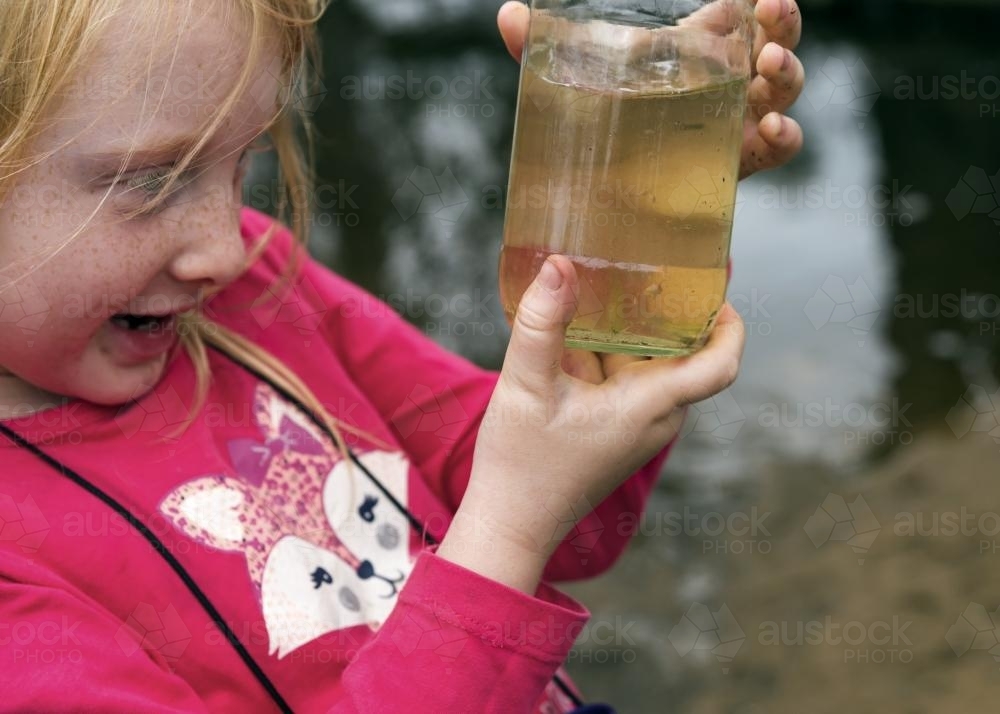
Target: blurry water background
(797, 554)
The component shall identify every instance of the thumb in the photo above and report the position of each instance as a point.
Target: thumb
(512, 19)
(539, 331)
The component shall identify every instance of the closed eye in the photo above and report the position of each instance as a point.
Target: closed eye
(321, 577)
(144, 188)
(149, 185)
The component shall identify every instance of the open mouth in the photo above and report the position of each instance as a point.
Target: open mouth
(142, 323)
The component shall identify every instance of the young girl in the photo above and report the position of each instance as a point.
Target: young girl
(206, 507)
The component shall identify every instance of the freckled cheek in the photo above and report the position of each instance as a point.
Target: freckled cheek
(140, 251)
(100, 274)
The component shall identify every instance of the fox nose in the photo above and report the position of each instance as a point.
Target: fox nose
(366, 569)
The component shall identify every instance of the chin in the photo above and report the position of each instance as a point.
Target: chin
(114, 385)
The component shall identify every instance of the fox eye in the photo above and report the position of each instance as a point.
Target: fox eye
(367, 509)
(321, 577)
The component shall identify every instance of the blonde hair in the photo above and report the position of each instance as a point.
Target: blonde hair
(40, 38)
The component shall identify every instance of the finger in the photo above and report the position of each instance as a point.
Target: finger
(513, 23)
(717, 18)
(534, 354)
(583, 365)
(614, 363)
(711, 369)
(780, 21)
(774, 141)
(690, 379)
(779, 81)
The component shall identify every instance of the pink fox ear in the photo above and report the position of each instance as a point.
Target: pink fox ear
(209, 509)
(270, 408)
(264, 397)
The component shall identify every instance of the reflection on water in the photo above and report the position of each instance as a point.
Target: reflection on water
(802, 233)
(858, 381)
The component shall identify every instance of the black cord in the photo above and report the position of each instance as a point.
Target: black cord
(158, 545)
(192, 586)
(414, 521)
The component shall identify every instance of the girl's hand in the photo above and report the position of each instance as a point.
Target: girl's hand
(552, 446)
(770, 138)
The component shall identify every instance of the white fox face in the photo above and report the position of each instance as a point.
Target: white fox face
(318, 592)
(325, 547)
(362, 515)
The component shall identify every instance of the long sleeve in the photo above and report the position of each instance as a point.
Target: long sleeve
(456, 642)
(459, 642)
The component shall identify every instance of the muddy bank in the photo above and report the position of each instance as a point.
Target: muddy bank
(822, 631)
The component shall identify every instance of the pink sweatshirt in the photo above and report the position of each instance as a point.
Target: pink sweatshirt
(315, 571)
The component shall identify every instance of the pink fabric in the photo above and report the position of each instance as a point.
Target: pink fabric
(319, 576)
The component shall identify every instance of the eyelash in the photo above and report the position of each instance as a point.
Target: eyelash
(152, 182)
(149, 183)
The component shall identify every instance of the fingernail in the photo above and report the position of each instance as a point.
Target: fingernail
(786, 62)
(782, 125)
(550, 277)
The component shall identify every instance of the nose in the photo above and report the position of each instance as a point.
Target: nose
(212, 253)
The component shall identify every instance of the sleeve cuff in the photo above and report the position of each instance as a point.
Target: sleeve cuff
(543, 627)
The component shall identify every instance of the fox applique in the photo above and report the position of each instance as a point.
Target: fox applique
(324, 547)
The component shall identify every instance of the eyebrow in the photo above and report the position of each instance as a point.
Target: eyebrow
(107, 163)
(111, 160)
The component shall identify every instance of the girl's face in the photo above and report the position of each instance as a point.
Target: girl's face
(96, 319)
